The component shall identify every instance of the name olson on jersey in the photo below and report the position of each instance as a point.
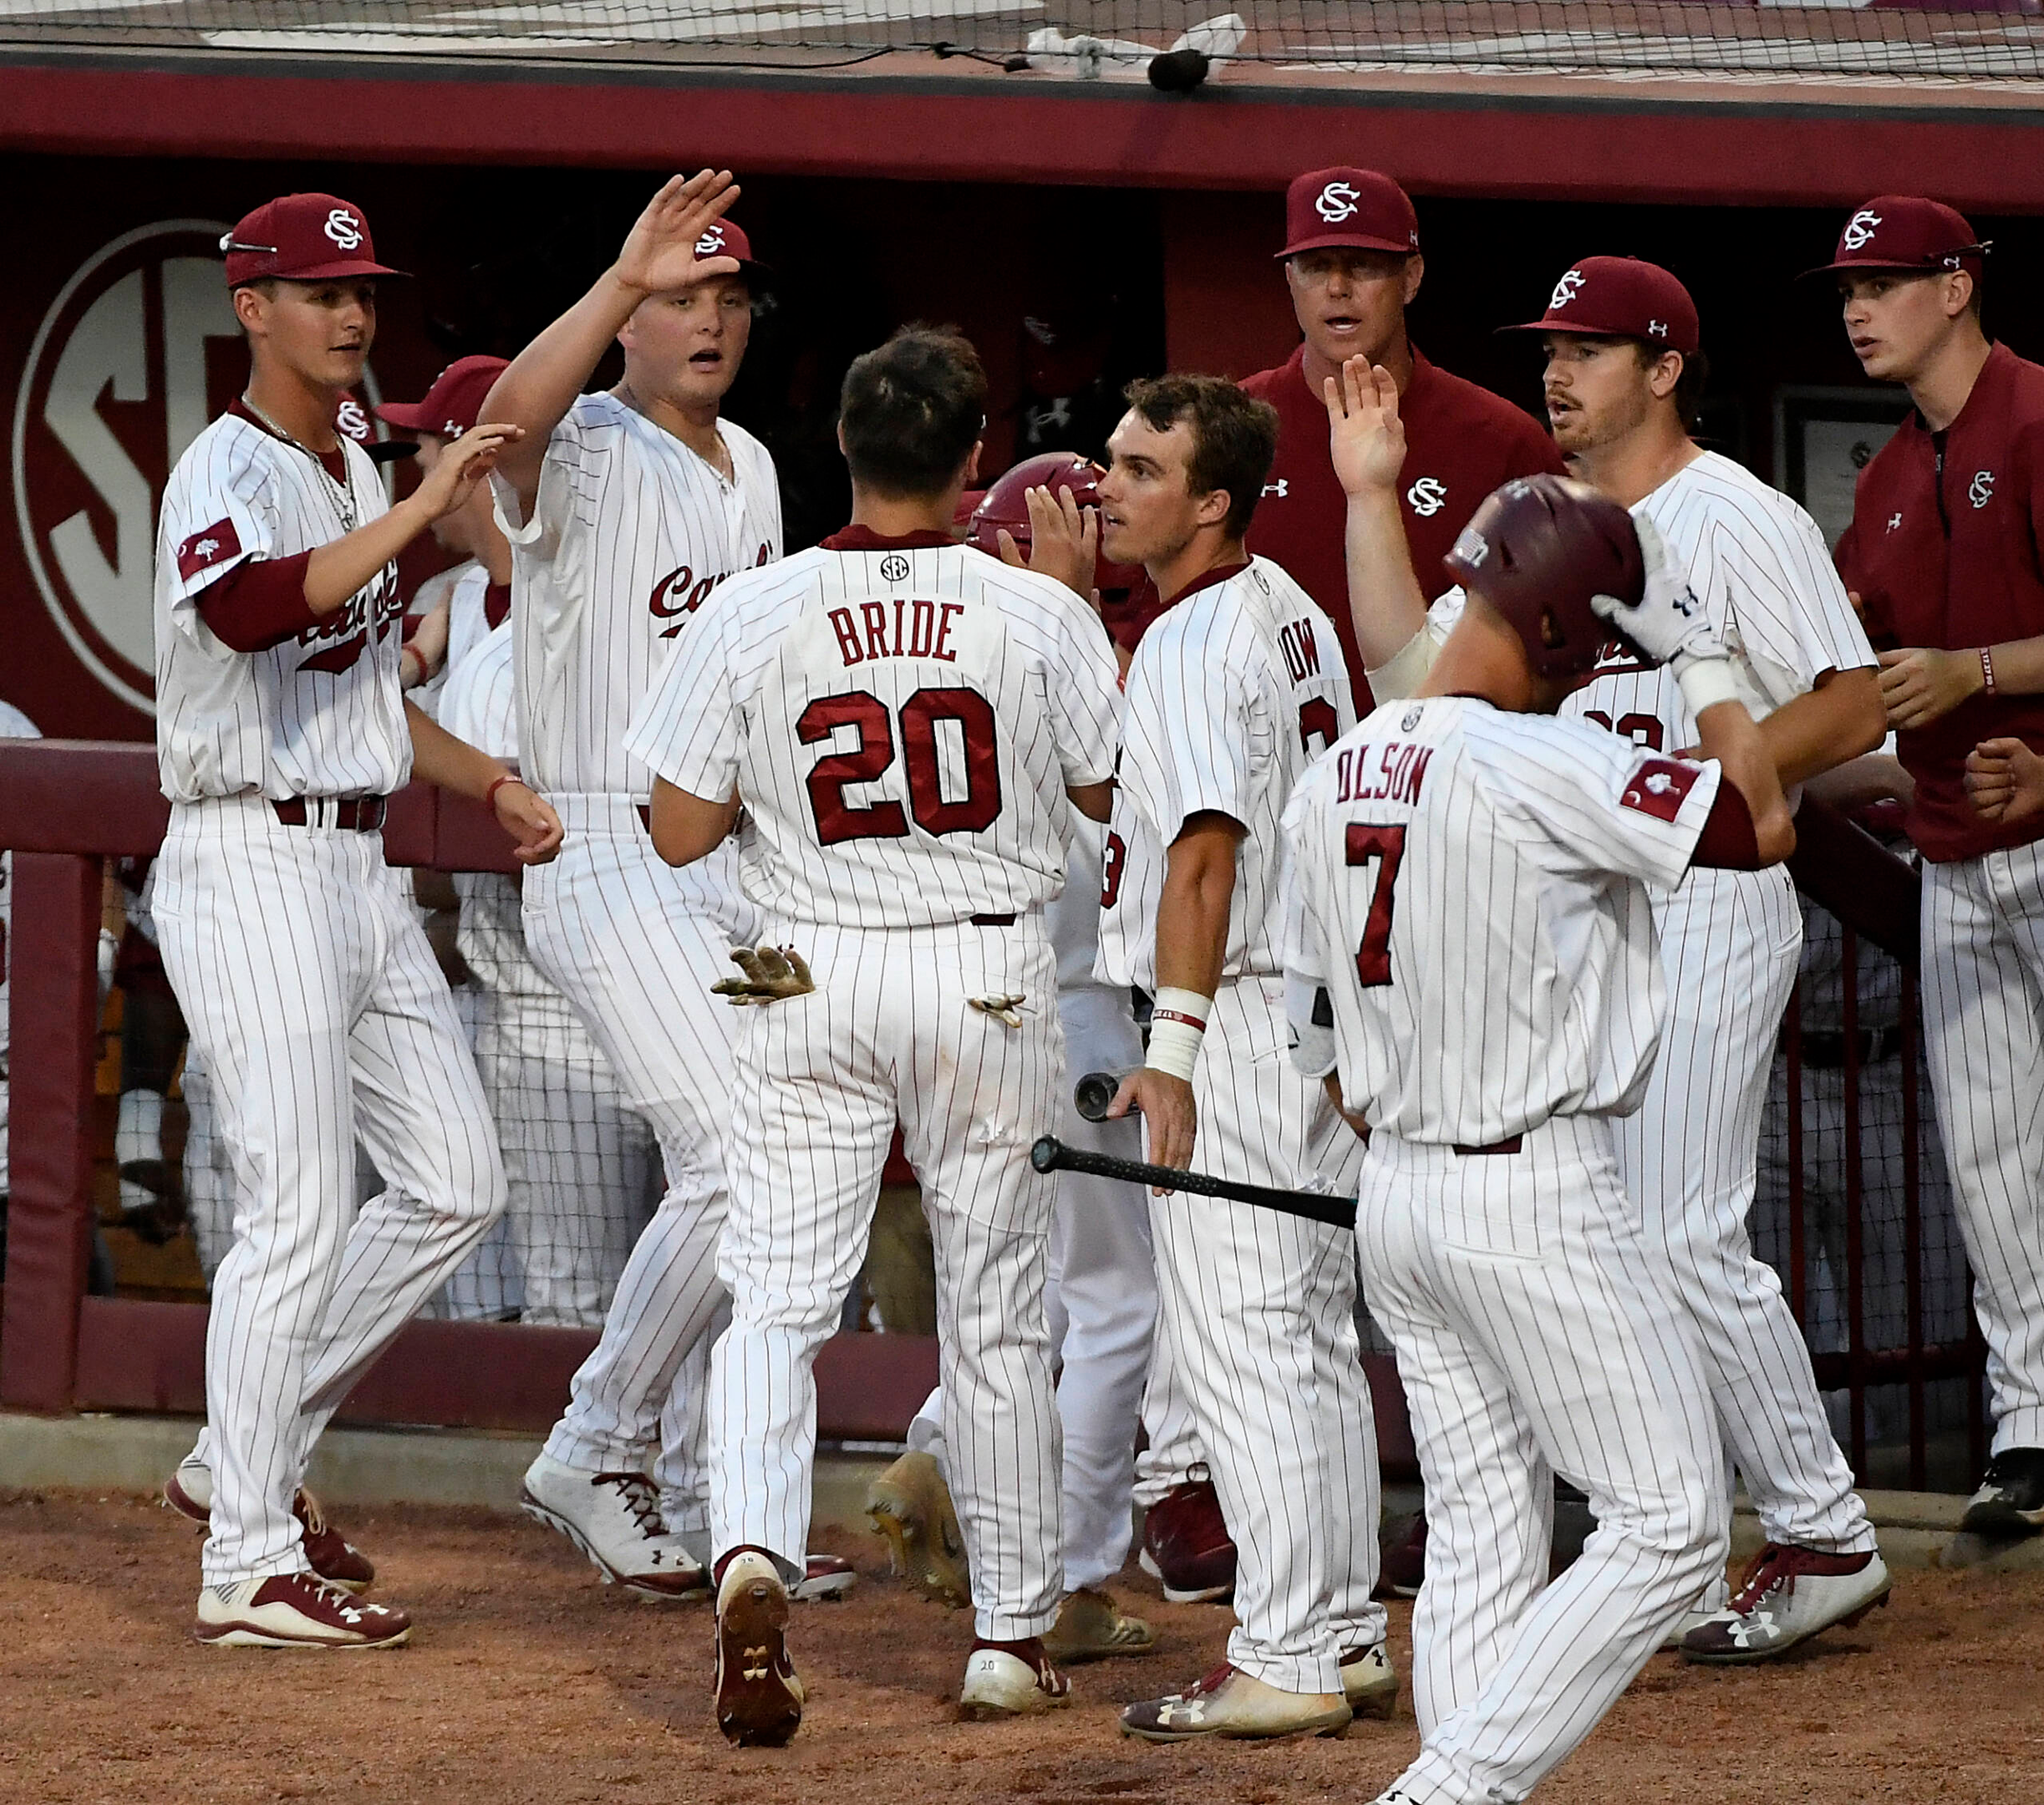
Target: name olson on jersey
(1400, 770)
(917, 629)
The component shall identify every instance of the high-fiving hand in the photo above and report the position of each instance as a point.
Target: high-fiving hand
(661, 252)
(1364, 431)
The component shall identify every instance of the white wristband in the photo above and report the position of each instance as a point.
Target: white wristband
(1706, 683)
(1178, 1026)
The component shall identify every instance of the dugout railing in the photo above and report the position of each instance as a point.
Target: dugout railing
(68, 807)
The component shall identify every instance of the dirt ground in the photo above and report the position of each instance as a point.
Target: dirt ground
(527, 1681)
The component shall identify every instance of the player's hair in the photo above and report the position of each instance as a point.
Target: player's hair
(1689, 386)
(1234, 436)
(912, 410)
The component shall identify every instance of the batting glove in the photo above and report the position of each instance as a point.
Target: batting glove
(772, 974)
(1668, 623)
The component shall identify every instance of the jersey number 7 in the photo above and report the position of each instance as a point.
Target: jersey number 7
(1384, 847)
(837, 820)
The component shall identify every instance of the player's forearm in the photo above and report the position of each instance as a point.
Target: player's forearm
(1728, 735)
(1384, 599)
(2019, 667)
(337, 571)
(438, 758)
(685, 828)
(1836, 721)
(545, 379)
(1193, 913)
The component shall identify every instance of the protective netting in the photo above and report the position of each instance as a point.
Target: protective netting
(1113, 37)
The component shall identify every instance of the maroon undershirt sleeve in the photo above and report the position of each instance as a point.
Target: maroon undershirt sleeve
(1727, 841)
(260, 603)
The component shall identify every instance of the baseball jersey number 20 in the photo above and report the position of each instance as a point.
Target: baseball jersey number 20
(921, 715)
(1386, 846)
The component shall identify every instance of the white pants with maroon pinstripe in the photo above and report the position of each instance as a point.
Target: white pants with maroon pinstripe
(1260, 1310)
(1983, 979)
(821, 1079)
(1730, 941)
(1537, 1334)
(317, 1008)
(625, 939)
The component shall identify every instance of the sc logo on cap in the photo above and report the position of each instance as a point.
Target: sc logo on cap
(1336, 202)
(711, 242)
(1566, 290)
(1859, 229)
(345, 229)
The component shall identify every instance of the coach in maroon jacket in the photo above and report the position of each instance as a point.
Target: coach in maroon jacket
(1352, 263)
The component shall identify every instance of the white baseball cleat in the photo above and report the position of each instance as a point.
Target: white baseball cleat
(1369, 1682)
(1233, 1703)
(614, 1518)
(295, 1610)
(1014, 1680)
(1789, 1594)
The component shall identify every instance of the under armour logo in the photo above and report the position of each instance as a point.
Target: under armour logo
(1982, 489)
(1336, 202)
(894, 568)
(1426, 495)
(1057, 413)
(1894, 521)
(1657, 329)
(1859, 229)
(1181, 1710)
(345, 229)
(754, 1665)
(1280, 489)
(711, 242)
(1758, 1629)
(1565, 290)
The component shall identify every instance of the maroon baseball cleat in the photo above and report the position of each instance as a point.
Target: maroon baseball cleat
(1185, 1545)
(827, 1576)
(295, 1610)
(331, 1556)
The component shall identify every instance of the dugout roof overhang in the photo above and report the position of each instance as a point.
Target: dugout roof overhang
(909, 114)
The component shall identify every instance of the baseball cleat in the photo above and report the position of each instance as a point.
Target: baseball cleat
(829, 1576)
(1689, 1620)
(759, 1696)
(1369, 1682)
(295, 1610)
(911, 1506)
(1186, 1546)
(1789, 1594)
(1090, 1627)
(1230, 1704)
(1011, 1680)
(2010, 1499)
(614, 1518)
(331, 1556)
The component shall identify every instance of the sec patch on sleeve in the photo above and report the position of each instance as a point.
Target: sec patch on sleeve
(208, 547)
(1657, 787)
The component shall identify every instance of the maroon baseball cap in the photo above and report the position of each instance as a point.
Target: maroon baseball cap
(1905, 232)
(1620, 298)
(454, 404)
(302, 237)
(726, 237)
(1357, 207)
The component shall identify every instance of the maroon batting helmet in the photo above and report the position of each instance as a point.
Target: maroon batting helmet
(1006, 506)
(1537, 549)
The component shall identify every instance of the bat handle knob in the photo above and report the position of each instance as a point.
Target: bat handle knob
(1048, 1154)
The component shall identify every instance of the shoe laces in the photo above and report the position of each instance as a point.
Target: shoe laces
(314, 1519)
(1774, 1569)
(1212, 1682)
(641, 1499)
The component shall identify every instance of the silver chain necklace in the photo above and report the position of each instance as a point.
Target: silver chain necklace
(343, 493)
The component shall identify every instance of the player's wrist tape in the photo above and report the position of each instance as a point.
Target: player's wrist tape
(1706, 682)
(1178, 1026)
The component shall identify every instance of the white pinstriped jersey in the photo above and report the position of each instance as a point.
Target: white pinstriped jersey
(631, 531)
(1471, 889)
(901, 723)
(1759, 565)
(321, 715)
(1234, 690)
(465, 589)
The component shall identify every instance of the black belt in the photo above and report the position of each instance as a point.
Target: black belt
(1513, 1146)
(1824, 1049)
(991, 921)
(355, 814)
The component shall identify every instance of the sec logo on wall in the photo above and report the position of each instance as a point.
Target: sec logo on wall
(136, 355)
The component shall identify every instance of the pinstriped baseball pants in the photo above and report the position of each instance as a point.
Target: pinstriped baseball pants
(1983, 986)
(1536, 1335)
(821, 1081)
(319, 1012)
(1260, 1312)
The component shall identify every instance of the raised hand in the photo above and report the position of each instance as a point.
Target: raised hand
(659, 254)
(1365, 433)
(464, 463)
(1064, 540)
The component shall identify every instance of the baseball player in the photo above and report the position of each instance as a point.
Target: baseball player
(624, 509)
(902, 720)
(1472, 964)
(1623, 364)
(1232, 691)
(1100, 1302)
(1943, 553)
(311, 994)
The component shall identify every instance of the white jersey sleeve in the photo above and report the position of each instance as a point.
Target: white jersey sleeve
(220, 511)
(1191, 719)
(480, 703)
(687, 730)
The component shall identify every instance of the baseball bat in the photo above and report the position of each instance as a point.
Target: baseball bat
(1050, 1154)
(1092, 1094)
